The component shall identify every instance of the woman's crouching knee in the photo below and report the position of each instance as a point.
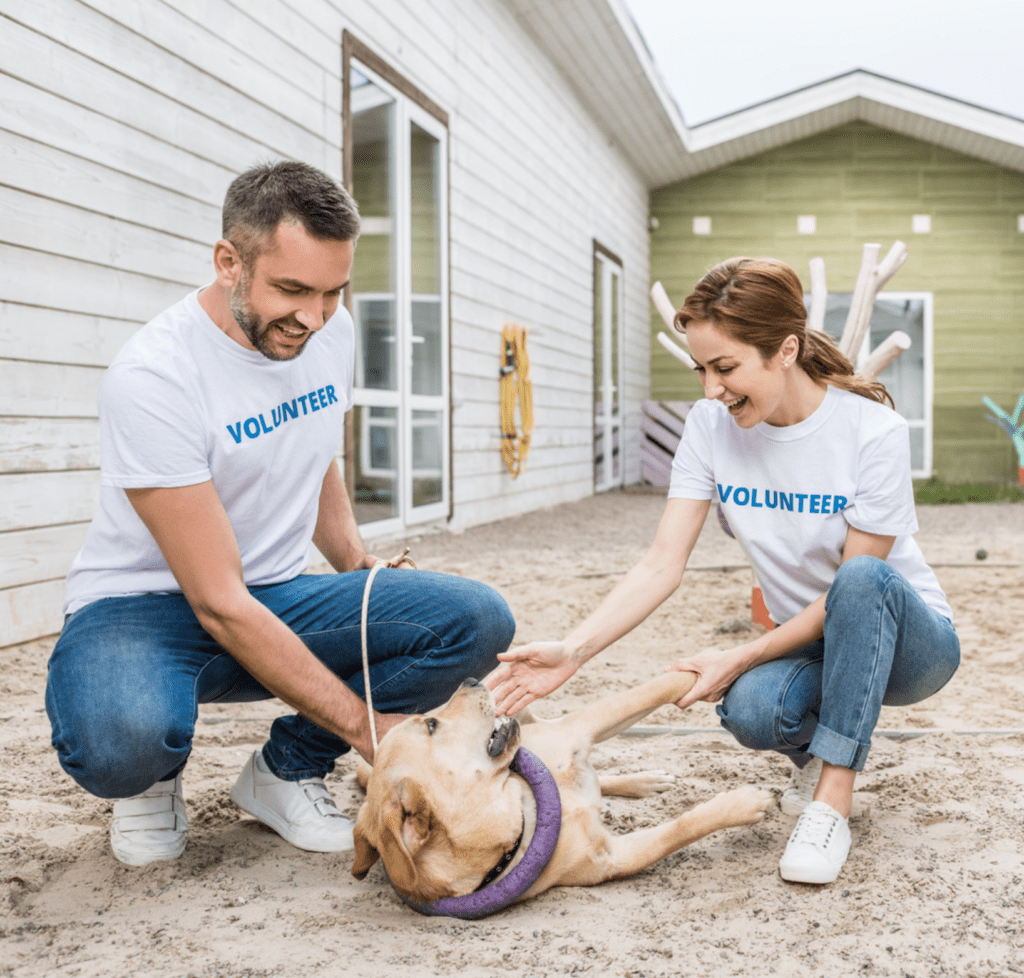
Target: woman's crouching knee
(860, 576)
(746, 715)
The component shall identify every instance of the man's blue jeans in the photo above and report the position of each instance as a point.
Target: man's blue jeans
(882, 645)
(127, 674)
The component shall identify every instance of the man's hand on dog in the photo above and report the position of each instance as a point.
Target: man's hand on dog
(717, 670)
(363, 742)
(528, 673)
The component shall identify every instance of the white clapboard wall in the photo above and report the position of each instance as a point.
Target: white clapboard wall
(123, 121)
(534, 180)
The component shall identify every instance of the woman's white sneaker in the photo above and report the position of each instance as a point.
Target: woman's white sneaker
(818, 847)
(799, 792)
(302, 812)
(151, 826)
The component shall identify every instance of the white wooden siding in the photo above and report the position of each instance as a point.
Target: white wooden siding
(123, 121)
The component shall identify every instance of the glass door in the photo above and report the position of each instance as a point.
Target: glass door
(399, 306)
(609, 470)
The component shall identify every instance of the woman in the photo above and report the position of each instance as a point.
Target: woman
(812, 470)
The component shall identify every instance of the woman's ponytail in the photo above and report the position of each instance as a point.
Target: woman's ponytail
(821, 360)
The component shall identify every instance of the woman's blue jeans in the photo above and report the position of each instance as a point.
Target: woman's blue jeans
(882, 645)
(127, 674)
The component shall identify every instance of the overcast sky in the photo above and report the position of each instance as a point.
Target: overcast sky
(717, 57)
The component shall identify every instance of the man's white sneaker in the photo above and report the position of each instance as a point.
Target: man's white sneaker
(303, 812)
(151, 826)
(799, 792)
(818, 847)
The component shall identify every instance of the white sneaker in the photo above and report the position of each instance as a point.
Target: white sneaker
(302, 812)
(799, 792)
(818, 847)
(151, 826)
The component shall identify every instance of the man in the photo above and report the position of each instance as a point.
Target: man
(217, 455)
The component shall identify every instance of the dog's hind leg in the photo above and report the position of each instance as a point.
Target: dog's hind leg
(628, 854)
(637, 785)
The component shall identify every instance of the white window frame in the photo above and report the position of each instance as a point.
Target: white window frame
(405, 113)
(926, 423)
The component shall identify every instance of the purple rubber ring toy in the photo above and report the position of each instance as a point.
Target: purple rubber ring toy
(501, 893)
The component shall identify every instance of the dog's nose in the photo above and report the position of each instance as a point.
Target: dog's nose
(471, 682)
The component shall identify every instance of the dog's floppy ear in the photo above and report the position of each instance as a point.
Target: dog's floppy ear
(405, 827)
(365, 852)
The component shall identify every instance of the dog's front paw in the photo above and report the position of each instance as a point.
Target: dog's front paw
(748, 804)
(648, 782)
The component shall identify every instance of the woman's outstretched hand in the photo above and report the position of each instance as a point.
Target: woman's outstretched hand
(527, 673)
(716, 669)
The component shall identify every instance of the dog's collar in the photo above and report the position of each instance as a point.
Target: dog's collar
(495, 896)
(502, 863)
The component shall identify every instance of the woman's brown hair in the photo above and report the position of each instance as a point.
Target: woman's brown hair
(760, 301)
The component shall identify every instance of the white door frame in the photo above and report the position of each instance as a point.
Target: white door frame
(608, 420)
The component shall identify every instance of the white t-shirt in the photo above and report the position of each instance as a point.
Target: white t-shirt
(183, 403)
(790, 493)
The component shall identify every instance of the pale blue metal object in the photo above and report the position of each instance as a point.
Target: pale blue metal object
(1011, 424)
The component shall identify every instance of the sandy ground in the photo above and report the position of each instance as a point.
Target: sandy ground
(934, 884)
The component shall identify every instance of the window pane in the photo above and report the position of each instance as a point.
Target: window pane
(904, 377)
(376, 462)
(373, 268)
(375, 344)
(426, 346)
(425, 158)
(427, 445)
(916, 448)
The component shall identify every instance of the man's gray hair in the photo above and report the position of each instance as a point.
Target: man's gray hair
(271, 193)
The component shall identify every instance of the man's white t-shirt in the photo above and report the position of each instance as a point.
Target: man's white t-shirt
(183, 403)
(790, 493)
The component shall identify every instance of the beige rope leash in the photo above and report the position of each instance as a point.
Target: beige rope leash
(515, 386)
(402, 558)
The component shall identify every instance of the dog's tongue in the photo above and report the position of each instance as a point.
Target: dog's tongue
(501, 737)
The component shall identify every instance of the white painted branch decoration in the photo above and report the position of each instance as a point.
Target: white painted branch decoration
(819, 295)
(677, 351)
(882, 355)
(668, 313)
(872, 277)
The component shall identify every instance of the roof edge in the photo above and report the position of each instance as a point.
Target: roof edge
(856, 84)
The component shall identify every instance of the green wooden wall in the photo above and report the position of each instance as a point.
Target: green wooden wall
(864, 184)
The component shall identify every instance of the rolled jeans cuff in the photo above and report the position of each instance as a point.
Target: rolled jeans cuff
(834, 748)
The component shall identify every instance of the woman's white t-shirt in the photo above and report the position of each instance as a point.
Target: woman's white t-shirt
(790, 493)
(183, 403)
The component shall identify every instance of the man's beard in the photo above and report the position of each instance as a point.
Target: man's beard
(256, 331)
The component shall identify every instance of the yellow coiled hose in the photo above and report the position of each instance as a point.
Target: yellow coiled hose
(515, 386)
